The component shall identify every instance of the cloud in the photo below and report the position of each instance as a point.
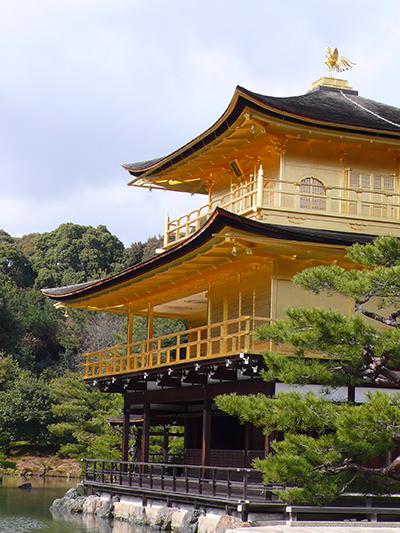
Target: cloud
(86, 85)
(124, 210)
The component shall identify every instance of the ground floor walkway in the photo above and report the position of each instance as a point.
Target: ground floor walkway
(321, 527)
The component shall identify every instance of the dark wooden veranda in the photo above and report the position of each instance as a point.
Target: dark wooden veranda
(235, 490)
(231, 489)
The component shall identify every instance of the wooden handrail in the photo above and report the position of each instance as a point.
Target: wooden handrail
(178, 478)
(341, 201)
(206, 342)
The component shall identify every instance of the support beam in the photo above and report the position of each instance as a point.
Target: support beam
(146, 433)
(130, 328)
(165, 443)
(125, 431)
(206, 436)
(247, 443)
(150, 321)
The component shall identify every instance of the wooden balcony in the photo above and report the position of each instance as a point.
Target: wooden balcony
(213, 341)
(242, 201)
(233, 488)
(296, 197)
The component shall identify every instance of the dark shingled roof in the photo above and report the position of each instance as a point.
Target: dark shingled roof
(141, 165)
(220, 219)
(344, 107)
(327, 108)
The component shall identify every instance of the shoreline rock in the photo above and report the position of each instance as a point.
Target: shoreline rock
(155, 517)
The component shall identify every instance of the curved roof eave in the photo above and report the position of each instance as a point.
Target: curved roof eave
(284, 109)
(219, 219)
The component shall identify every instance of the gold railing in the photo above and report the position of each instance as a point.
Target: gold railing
(288, 195)
(241, 201)
(207, 342)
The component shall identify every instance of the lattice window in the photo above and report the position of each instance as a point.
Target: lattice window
(372, 182)
(312, 194)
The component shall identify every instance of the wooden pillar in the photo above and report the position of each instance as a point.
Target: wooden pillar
(351, 394)
(165, 443)
(130, 331)
(150, 320)
(125, 431)
(206, 436)
(146, 433)
(247, 436)
(260, 187)
(149, 358)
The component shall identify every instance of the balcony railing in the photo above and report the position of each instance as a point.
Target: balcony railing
(242, 200)
(219, 487)
(288, 195)
(207, 342)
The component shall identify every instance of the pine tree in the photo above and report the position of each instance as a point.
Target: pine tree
(331, 447)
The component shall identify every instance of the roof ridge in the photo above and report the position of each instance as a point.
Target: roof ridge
(370, 111)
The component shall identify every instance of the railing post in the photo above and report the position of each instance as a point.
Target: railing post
(174, 479)
(166, 231)
(186, 480)
(130, 474)
(214, 481)
(200, 473)
(260, 188)
(87, 366)
(248, 335)
(102, 470)
(245, 484)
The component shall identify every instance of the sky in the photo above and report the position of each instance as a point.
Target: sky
(88, 85)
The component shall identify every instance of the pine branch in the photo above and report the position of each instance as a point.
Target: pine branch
(388, 321)
(391, 471)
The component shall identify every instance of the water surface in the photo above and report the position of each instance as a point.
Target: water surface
(27, 511)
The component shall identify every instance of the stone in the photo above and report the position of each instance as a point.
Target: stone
(229, 522)
(162, 519)
(177, 520)
(190, 521)
(106, 509)
(71, 502)
(131, 512)
(91, 504)
(208, 523)
(25, 486)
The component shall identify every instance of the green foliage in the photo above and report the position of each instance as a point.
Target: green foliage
(24, 406)
(75, 254)
(14, 266)
(283, 413)
(82, 429)
(42, 400)
(30, 327)
(139, 251)
(330, 448)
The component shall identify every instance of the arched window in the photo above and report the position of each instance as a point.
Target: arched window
(312, 194)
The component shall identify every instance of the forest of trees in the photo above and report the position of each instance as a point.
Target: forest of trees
(43, 402)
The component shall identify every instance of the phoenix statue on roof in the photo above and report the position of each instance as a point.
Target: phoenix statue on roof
(336, 62)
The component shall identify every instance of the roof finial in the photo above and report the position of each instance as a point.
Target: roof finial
(336, 62)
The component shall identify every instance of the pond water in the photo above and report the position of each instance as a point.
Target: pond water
(27, 511)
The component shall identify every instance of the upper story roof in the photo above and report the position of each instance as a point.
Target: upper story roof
(328, 108)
